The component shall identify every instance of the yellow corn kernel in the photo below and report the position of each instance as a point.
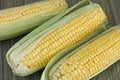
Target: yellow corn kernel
(63, 37)
(12, 15)
(91, 58)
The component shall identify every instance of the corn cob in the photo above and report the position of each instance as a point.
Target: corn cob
(88, 60)
(19, 20)
(34, 54)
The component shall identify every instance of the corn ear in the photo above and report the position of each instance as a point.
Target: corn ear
(18, 20)
(33, 54)
(87, 60)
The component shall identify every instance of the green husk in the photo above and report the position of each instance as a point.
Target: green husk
(58, 59)
(40, 31)
(25, 26)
